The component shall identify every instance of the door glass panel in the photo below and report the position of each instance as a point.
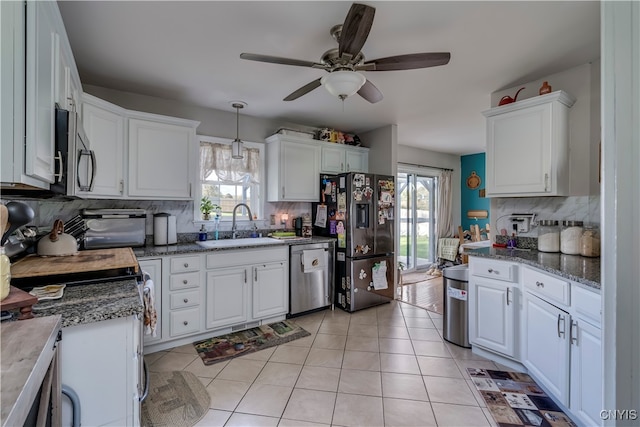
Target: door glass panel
(417, 220)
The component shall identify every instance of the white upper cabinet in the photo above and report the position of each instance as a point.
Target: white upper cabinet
(293, 169)
(161, 157)
(140, 155)
(42, 50)
(338, 158)
(104, 124)
(528, 147)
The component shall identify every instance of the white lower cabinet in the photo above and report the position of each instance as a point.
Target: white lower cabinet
(182, 296)
(493, 303)
(269, 296)
(226, 297)
(586, 372)
(546, 345)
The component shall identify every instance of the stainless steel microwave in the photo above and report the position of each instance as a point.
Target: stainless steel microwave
(75, 162)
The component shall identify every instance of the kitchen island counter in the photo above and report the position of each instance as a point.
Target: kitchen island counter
(193, 247)
(573, 267)
(95, 302)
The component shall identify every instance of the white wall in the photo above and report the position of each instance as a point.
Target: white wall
(382, 143)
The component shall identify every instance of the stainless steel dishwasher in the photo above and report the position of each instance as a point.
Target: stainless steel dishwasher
(310, 286)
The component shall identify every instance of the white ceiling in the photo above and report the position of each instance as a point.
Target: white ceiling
(189, 51)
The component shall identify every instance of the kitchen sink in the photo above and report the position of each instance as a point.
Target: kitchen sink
(238, 243)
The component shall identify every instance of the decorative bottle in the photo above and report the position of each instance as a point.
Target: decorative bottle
(545, 88)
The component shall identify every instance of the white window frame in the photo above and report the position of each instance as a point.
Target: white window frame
(196, 202)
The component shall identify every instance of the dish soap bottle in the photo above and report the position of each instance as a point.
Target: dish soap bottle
(202, 235)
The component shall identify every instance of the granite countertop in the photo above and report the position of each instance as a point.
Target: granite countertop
(573, 267)
(193, 247)
(94, 302)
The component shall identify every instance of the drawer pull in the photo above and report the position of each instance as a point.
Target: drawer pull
(491, 270)
(185, 281)
(185, 323)
(186, 265)
(539, 284)
(560, 319)
(186, 300)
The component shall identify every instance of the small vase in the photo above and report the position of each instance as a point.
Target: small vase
(545, 88)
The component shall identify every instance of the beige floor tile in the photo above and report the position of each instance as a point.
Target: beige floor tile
(187, 348)
(408, 413)
(205, 381)
(282, 374)
(423, 334)
(214, 418)
(449, 390)
(363, 360)
(419, 322)
(363, 330)
(199, 369)
(331, 342)
(415, 313)
(297, 423)
(358, 343)
(437, 323)
(259, 355)
(457, 415)
(265, 399)
(434, 315)
(319, 378)
(152, 357)
(397, 332)
(431, 348)
(248, 420)
(356, 410)
(399, 363)
(225, 395)
(324, 357)
(337, 314)
(481, 364)
(310, 405)
(301, 342)
(391, 345)
(290, 354)
(334, 327)
(462, 353)
(368, 383)
(403, 386)
(364, 317)
(241, 370)
(439, 367)
(392, 321)
(172, 362)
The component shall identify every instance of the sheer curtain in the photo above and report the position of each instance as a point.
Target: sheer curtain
(444, 219)
(217, 157)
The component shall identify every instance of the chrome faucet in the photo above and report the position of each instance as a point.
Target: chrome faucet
(233, 224)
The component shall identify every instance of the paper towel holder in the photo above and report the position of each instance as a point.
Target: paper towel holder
(164, 229)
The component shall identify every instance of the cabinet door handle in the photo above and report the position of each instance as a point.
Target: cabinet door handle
(245, 276)
(539, 284)
(122, 186)
(283, 191)
(255, 274)
(546, 182)
(186, 300)
(560, 319)
(348, 167)
(574, 336)
(58, 175)
(185, 323)
(341, 166)
(508, 289)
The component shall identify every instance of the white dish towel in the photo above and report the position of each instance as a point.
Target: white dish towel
(312, 260)
(148, 297)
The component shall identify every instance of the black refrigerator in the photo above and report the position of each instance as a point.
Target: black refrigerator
(358, 209)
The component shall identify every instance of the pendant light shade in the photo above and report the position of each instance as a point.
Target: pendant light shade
(237, 144)
(343, 84)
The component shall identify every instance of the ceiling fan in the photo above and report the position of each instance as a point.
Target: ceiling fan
(344, 62)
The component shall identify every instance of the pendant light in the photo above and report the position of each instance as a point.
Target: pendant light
(237, 144)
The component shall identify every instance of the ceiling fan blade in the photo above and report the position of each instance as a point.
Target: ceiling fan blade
(410, 61)
(370, 92)
(355, 29)
(279, 60)
(303, 90)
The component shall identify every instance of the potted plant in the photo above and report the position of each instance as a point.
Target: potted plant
(206, 207)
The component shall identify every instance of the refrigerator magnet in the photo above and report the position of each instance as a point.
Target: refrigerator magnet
(358, 179)
(363, 274)
(357, 195)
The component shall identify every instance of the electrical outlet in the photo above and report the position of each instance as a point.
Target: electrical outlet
(272, 219)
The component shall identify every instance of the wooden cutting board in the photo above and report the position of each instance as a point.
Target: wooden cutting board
(83, 262)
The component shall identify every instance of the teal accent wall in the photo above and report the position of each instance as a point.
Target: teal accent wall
(471, 199)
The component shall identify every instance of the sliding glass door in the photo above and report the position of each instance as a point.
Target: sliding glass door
(417, 243)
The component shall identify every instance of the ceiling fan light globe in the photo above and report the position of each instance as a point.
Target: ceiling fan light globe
(343, 84)
(236, 149)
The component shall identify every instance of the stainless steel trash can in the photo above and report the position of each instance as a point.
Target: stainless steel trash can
(455, 325)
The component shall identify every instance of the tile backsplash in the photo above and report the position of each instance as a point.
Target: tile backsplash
(582, 208)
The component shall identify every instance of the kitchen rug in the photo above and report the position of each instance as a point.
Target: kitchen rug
(175, 399)
(514, 399)
(225, 347)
